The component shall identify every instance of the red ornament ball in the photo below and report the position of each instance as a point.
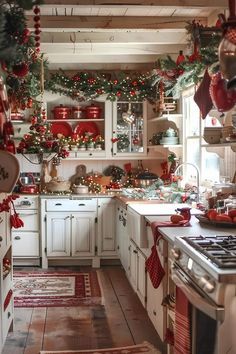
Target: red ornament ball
(36, 10)
(21, 69)
(36, 18)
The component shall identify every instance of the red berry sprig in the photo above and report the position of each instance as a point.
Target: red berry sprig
(5, 205)
(37, 30)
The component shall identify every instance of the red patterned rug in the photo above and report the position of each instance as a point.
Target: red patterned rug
(145, 348)
(57, 289)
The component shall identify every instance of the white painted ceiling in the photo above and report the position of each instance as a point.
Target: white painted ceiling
(118, 35)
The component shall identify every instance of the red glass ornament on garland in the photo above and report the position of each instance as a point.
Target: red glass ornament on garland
(21, 69)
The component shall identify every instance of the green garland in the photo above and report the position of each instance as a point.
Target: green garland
(89, 85)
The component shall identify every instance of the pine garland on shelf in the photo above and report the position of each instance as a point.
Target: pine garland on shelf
(90, 85)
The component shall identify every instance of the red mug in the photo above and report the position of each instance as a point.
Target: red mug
(185, 212)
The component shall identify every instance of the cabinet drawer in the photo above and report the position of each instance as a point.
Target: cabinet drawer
(27, 202)
(71, 205)
(25, 244)
(30, 219)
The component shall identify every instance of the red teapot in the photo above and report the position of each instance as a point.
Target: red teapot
(185, 212)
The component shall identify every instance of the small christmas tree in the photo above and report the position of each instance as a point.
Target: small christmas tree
(40, 139)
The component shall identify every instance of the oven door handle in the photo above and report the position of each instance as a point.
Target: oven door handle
(197, 300)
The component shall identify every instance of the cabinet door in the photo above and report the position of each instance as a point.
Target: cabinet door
(58, 234)
(141, 277)
(133, 270)
(83, 234)
(156, 311)
(106, 227)
(124, 243)
(5, 236)
(118, 219)
(129, 128)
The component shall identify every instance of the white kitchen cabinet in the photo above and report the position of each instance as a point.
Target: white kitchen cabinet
(26, 240)
(6, 281)
(122, 236)
(129, 131)
(70, 234)
(156, 311)
(106, 228)
(83, 125)
(137, 273)
(68, 229)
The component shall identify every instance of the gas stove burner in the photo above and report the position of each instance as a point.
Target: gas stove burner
(220, 249)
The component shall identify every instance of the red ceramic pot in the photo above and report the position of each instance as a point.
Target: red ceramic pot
(61, 112)
(93, 112)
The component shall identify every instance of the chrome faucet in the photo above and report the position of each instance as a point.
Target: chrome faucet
(198, 174)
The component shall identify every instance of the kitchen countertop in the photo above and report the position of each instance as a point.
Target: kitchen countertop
(195, 229)
(158, 209)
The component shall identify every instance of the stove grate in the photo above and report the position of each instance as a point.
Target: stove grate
(221, 250)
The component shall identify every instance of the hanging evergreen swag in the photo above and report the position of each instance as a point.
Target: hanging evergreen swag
(89, 85)
(177, 75)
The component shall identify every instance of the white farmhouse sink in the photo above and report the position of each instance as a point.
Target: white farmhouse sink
(136, 218)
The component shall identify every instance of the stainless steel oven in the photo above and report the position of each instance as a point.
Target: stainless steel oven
(211, 293)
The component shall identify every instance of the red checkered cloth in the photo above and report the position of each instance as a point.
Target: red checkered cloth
(231, 35)
(182, 324)
(153, 264)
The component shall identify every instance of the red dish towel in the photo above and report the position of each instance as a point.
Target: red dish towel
(182, 324)
(153, 265)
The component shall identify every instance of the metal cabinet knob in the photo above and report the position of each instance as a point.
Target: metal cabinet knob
(176, 253)
(1, 238)
(207, 284)
(17, 237)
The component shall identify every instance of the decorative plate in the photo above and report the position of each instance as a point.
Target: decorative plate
(202, 219)
(87, 127)
(61, 128)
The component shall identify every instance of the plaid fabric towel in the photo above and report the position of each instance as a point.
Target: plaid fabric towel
(153, 264)
(182, 324)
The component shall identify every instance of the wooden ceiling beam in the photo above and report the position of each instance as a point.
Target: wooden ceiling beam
(157, 37)
(113, 49)
(128, 3)
(112, 23)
